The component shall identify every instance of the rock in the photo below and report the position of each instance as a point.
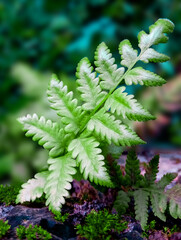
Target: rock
(134, 235)
(22, 215)
(4, 210)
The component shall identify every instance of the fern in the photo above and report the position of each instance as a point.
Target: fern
(144, 188)
(47, 133)
(132, 170)
(110, 75)
(77, 141)
(126, 106)
(61, 170)
(152, 170)
(141, 206)
(174, 195)
(107, 128)
(88, 85)
(66, 107)
(33, 189)
(91, 161)
(122, 202)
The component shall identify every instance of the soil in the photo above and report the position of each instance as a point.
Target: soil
(84, 198)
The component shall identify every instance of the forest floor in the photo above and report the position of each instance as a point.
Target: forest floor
(85, 198)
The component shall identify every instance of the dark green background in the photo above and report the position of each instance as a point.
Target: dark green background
(40, 37)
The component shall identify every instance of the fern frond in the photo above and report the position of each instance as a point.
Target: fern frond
(150, 55)
(141, 206)
(114, 170)
(107, 128)
(58, 182)
(105, 65)
(128, 54)
(132, 169)
(122, 202)
(88, 85)
(173, 206)
(33, 189)
(152, 170)
(47, 133)
(163, 202)
(166, 180)
(127, 106)
(141, 76)
(156, 34)
(66, 107)
(174, 195)
(91, 162)
(155, 200)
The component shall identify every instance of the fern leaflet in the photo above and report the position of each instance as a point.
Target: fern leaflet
(128, 54)
(141, 206)
(141, 76)
(58, 182)
(33, 189)
(88, 85)
(65, 105)
(104, 125)
(126, 106)
(122, 202)
(110, 75)
(45, 132)
(88, 155)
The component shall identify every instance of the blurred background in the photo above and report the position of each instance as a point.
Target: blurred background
(40, 37)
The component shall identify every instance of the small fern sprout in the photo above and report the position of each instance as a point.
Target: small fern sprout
(144, 189)
(76, 143)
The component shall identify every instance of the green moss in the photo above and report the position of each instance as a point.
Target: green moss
(8, 194)
(61, 218)
(148, 228)
(99, 225)
(4, 227)
(32, 233)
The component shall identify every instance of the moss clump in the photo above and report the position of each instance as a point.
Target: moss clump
(4, 227)
(32, 233)
(60, 217)
(99, 225)
(8, 194)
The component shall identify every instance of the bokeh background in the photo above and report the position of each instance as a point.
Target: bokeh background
(40, 37)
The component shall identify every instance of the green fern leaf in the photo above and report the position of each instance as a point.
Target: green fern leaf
(33, 189)
(163, 202)
(107, 128)
(127, 106)
(109, 73)
(141, 206)
(156, 35)
(122, 202)
(62, 101)
(47, 133)
(128, 54)
(58, 182)
(166, 180)
(152, 170)
(155, 200)
(89, 87)
(173, 208)
(150, 55)
(91, 162)
(141, 76)
(174, 195)
(132, 169)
